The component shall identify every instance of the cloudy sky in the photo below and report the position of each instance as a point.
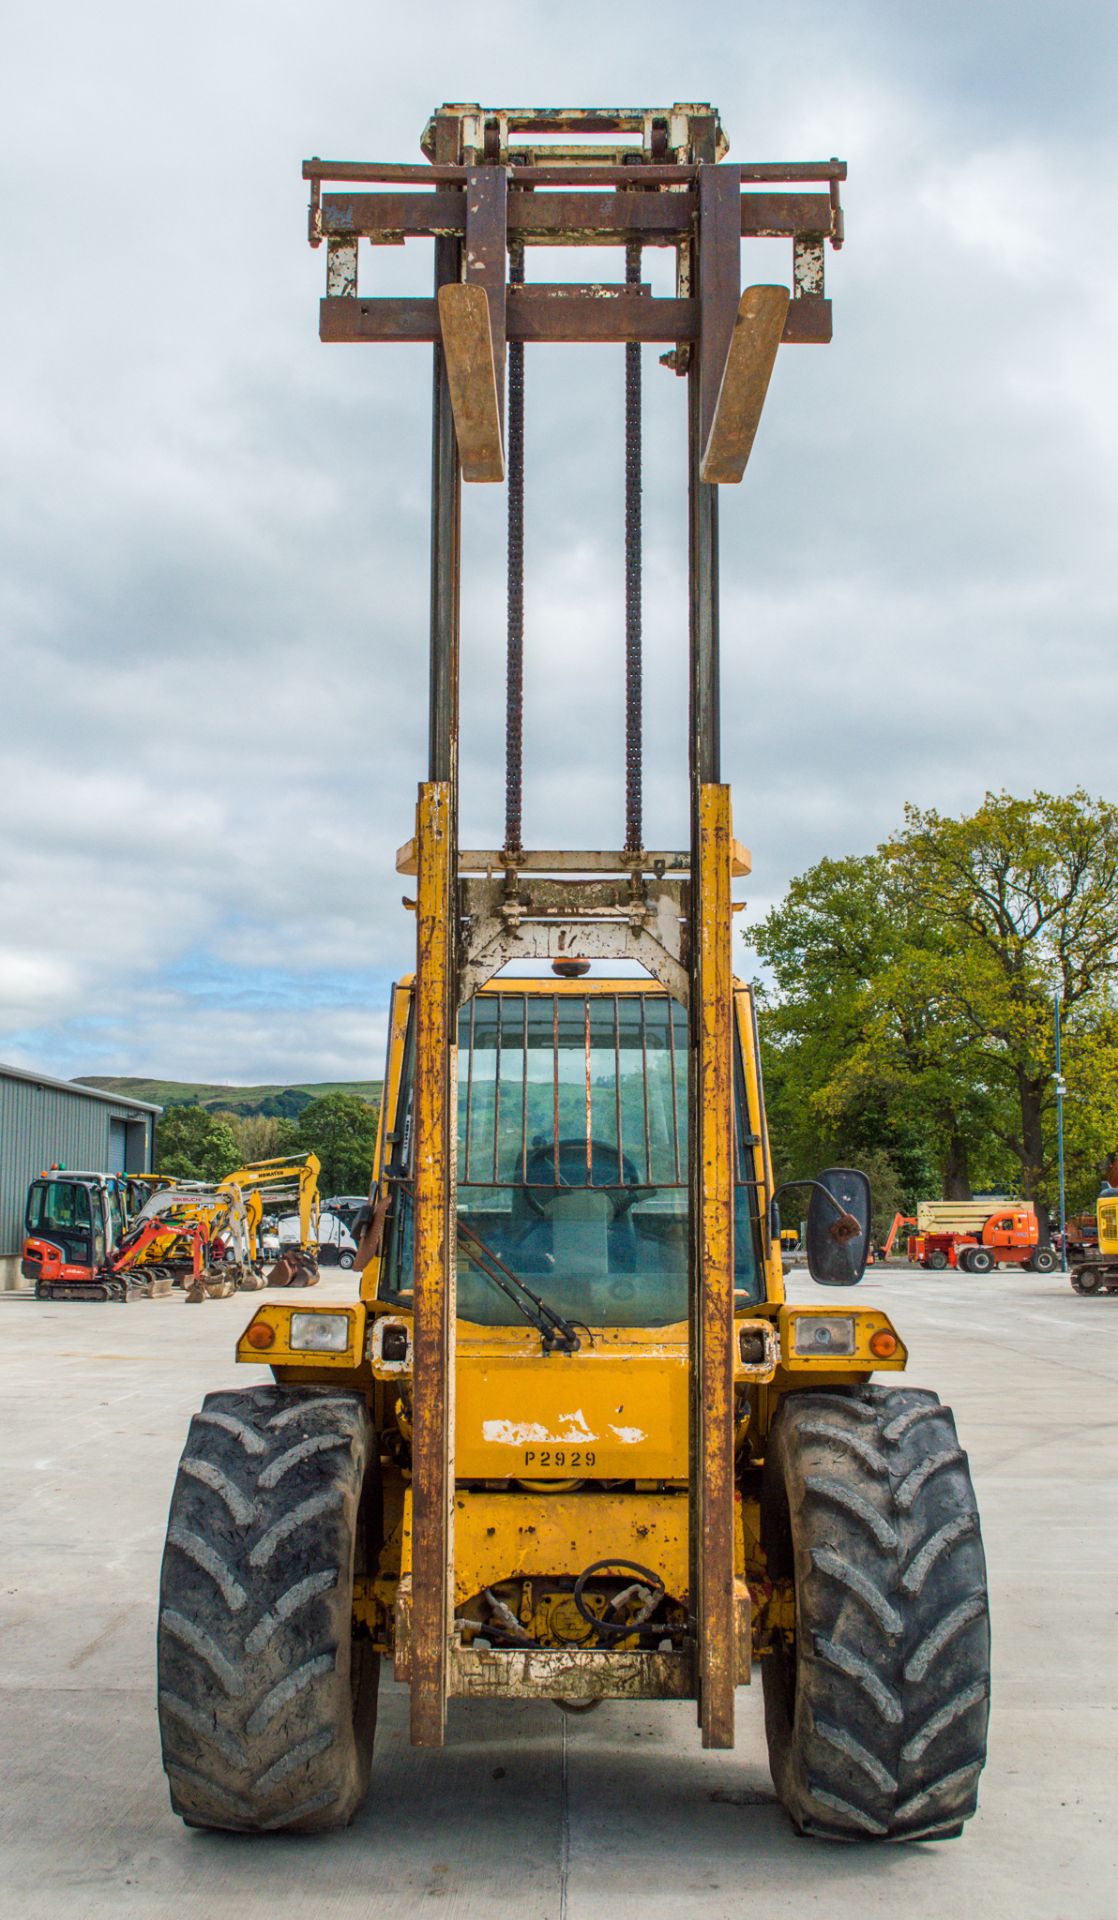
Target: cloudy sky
(213, 530)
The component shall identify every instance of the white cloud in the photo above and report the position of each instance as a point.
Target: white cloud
(213, 564)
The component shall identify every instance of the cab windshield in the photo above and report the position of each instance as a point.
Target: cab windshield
(572, 1159)
(59, 1210)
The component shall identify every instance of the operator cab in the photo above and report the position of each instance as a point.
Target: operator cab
(572, 1158)
(82, 1215)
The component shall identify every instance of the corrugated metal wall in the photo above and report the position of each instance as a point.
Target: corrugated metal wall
(41, 1124)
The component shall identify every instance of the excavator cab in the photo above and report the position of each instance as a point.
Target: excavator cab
(72, 1223)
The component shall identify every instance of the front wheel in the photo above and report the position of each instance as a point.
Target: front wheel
(876, 1702)
(1043, 1261)
(981, 1260)
(267, 1690)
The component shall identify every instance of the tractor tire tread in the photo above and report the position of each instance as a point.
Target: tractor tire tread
(266, 1700)
(877, 1726)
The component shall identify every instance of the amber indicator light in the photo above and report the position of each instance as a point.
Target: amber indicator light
(884, 1343)
(261, 1335)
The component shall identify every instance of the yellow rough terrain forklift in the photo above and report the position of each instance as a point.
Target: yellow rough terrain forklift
(571, 1442)
(1095, 1269)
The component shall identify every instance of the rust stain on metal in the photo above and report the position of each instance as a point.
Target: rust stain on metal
(713, 1478)
(758, 331)
(432, 1470)
(471, 376)
(548, 1673)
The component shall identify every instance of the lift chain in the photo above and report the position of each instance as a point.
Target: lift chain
(514, 679)
(633, 744)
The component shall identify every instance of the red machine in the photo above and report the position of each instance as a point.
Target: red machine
(968, 1235)
(899, 1220)
(59, 1279)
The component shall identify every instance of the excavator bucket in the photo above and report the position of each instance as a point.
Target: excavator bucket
(294, 1268)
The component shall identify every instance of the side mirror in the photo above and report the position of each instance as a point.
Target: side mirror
(838, 1227)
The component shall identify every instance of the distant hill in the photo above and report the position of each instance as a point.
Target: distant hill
(277, 1102)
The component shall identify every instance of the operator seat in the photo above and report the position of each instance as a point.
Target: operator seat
(592, 1224)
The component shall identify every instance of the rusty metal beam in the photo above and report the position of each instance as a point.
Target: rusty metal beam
(592, 314)
(446, 541)
(712, 1194)
(758, 331)
(533, 313)
(435, 1008)
(704, 375)
(486, 263)
(540, 218)
(432, 1444)
(468, 353)
(597, 219)
(391, 171)
(395, 216)
(719, 283)
(768, 215)
(537, 315)
(557, 219)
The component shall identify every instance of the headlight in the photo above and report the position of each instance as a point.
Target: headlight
(819, 1335)
(319, 1332)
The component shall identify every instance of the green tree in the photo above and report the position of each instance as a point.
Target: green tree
(1090, 1064)
(261, 1136)
(194, 1144)
(1024, 897)
(856, 1063)
(341, 1128)
(912, 1012)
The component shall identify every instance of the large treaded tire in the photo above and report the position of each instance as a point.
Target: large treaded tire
(267, 1698)
(876, 1717)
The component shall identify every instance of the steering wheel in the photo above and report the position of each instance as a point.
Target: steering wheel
(541, 1171)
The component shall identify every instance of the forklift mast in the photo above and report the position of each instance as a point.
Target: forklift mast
(496, 183)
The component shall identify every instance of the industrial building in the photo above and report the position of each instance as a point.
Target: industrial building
(44, 1122)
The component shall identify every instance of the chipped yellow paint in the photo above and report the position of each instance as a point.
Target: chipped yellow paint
(517, 1535)
(712, 1200)
(433, 1422)
(758, 1126)
(281, 1355)
(613, 1411)
(390, 1095)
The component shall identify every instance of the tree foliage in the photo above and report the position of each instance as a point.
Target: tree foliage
(261, 1136)
(193, 1144)
(341, 1129)
(913, 1007)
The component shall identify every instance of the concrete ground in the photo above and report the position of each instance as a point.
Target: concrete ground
(527, 1813)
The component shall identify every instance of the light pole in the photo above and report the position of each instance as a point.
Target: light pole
(1059, 1079)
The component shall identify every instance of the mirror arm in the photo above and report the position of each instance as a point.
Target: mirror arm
(774, 1211)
